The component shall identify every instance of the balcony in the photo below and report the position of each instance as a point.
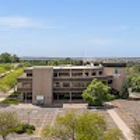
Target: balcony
(61, 89)
(23, 89)
(82, 78)
(24, 79)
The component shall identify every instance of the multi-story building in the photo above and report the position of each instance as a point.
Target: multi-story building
(45, 85)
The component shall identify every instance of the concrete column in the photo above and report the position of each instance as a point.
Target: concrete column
(57, 97)
(70, 72)
(70, 96)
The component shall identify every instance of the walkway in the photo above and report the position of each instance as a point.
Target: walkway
(73, 105)
(120, 123)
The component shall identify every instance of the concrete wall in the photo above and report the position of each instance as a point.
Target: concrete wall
(118, 79)
(42, 84)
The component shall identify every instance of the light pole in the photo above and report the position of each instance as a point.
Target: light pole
(29, 112)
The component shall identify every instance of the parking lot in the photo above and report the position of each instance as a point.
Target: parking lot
(128, 110)
(45, 116)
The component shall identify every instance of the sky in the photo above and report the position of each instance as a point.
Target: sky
(70, 28)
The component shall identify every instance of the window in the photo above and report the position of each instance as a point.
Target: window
(77, 84)
(110, 81)
(55, 74)
(77, 95)
(57, 84)
(26, 85)
(29, 74)
(64, 74)
(76, 74)
(93, 73)
(86, 73)
(66, 84)
(100, 72)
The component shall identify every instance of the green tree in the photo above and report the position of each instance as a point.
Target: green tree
(75, 126)
(8, 123)
(96, 93)
(15, 58)
(133, 76)
(8, 58)
(5, 58)
(124, 93)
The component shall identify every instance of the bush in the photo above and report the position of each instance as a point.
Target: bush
(25, 128)
(11, 101)
(29, 131)
(20, 129)
(15, 94)
(124, 92)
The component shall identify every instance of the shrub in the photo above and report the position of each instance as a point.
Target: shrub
(20, 129)
(124, 92)
(24, 128)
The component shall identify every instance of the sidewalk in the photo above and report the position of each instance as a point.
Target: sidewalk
(120, 123)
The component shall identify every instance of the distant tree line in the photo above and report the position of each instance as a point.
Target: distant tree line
(8, 58)
(55, 62)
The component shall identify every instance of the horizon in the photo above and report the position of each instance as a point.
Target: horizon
(76, 28)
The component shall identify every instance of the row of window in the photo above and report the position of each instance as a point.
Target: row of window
(78, 84)
(77, 74)
(67, 96)
(64, 74)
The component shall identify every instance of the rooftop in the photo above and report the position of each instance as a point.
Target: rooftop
(66, 67)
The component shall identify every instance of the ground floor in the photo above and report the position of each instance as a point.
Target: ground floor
(58, 97)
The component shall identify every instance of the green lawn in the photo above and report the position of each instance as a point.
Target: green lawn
(11, 101)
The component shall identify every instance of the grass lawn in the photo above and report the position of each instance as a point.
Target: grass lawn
(11, 101)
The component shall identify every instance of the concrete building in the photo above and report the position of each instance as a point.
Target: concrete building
(44, 85)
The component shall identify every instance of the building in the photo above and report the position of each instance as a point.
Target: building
(44, 85)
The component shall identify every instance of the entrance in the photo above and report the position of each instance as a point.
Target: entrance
(27, 97)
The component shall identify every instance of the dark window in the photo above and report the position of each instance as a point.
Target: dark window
(77, 74)
(55, 74)
(78, 84)
(29, 74)
(110, 82)
(64, 96)
(77, 95)
(100, 72)
(86, 73)
(93, 73)
(66, 84)
(57, 84)
(55, 96)
(64, 74)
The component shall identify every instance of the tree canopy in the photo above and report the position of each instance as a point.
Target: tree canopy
(8, 123)
(96, 93)
(85, 126)
(8, 58)
(134, 78)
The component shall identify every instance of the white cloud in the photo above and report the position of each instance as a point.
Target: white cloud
(22, 22)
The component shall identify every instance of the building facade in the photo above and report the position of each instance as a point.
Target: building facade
(47, 85)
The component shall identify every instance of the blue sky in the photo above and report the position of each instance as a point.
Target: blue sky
(70, 28)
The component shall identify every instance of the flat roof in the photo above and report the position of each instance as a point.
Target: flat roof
(66, 67)
(77, 67)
